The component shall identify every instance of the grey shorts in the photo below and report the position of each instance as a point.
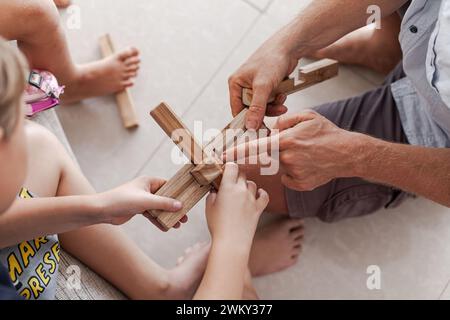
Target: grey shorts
(373, 113)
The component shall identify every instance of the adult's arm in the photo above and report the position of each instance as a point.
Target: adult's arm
(419, 170)
(320, 24)
(313, 151)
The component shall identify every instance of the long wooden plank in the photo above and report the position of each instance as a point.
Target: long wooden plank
(309, 75)
(185, 140)
(124, 99)
(172, 125)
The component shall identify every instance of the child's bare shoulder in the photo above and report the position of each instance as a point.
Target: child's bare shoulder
(40, 136)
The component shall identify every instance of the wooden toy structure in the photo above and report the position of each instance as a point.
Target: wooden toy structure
(124, 99)
(196, 179)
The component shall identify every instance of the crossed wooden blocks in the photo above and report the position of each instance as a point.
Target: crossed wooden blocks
(194, 180)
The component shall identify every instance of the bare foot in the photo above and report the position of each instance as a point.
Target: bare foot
(62, 3)
(276, 247)
(185, 278)
(378, 50)
(107, 76)
(250, 293)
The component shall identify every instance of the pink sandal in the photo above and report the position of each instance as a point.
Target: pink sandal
(42, 92)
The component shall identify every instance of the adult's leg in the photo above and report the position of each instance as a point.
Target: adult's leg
(37, 28)
(52, 173)
(377, 49)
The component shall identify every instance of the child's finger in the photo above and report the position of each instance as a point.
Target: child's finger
(263, 200)
(211, 200)
(163, 203)
(230, 174)
(251, 186)
(156, 184)
(242, 178)
(155, 222)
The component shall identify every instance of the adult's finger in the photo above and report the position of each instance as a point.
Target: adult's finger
(235, 96)
(276, 110)
(257, 110)
(289, 121)
(254, 147)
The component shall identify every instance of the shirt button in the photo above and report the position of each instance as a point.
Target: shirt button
(413, 29)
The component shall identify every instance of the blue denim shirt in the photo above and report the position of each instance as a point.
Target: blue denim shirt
(425, 116)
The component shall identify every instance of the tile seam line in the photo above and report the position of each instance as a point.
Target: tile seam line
(204, 87)
(447, 286)
(254, 6)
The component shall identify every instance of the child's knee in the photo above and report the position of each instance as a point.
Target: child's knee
(41, 16)
(41, 139)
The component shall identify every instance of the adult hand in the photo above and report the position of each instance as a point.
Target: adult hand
(312, 150)
(262, 73)
(118, 206)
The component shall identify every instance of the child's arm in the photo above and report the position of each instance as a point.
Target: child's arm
(233, 216)
(115, 257)
(31, 218)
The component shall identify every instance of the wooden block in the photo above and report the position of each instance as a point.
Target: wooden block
(309, 75)
(178, 132)
(319, 71)
(183, 138)
(183, 186)
(205, 174)
(124, 100)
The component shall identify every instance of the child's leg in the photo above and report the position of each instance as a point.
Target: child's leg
(105, 248)
(37, 28)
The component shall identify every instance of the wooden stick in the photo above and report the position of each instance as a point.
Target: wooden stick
(124, 99)
(309, 75)
(185, 188)
(184, 139)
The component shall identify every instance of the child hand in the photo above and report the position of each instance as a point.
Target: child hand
(234, 212)
(136, 197)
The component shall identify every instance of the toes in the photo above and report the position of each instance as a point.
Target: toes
(127, 83)
(294, 224)
(297, 233)
(294, 259)
(128, 54)
(132, 61)
(132, 68)
(130, 75)
(134, 51)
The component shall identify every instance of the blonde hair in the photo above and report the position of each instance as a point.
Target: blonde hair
(12, 86)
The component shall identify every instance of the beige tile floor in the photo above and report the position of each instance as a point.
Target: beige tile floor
(189, 48)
